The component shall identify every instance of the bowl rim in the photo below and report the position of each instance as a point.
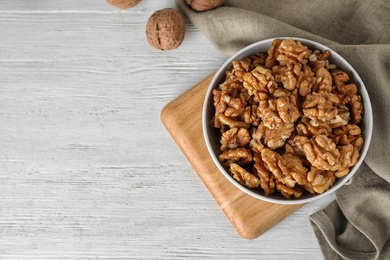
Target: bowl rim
(368, 114)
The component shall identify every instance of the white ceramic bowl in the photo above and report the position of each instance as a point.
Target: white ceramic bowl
(212, 136)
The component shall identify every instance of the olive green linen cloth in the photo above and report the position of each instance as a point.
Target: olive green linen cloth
(357, 224)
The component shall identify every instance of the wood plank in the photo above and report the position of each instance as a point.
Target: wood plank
(87, 169)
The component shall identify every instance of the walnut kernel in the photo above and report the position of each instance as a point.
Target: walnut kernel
(288, 120)
(244, 177)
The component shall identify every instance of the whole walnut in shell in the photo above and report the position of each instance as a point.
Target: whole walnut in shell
(204, 5)
(123, 4)
(165, 29)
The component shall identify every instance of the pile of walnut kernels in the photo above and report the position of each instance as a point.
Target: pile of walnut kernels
(288, 120)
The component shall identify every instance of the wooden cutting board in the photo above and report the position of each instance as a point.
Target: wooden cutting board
(183, 119)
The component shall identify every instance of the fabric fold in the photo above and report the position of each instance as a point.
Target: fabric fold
(230, 35)
(357, 224)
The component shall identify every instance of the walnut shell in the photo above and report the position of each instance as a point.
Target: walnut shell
(165, 29)
(204, 5)
(123, 4)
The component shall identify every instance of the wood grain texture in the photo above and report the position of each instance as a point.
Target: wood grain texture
(87, 170)
(183, 119)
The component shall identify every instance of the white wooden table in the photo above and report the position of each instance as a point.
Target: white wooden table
(87, 169)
